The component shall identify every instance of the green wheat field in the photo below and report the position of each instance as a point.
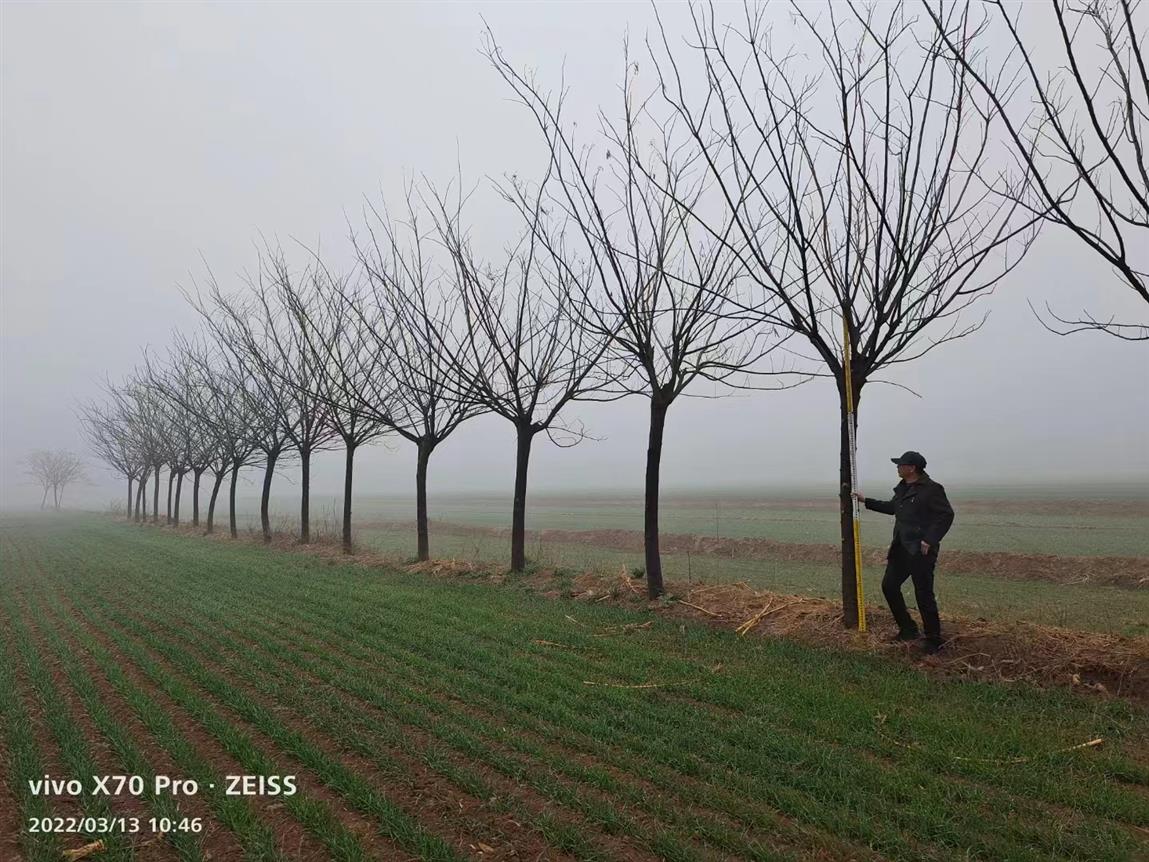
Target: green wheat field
(424, 718)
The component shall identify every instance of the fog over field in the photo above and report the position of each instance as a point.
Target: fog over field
(143, 143)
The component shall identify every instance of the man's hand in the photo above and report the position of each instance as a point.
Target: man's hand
(925, 547)
(859, 496)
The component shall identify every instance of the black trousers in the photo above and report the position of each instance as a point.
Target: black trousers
(901, 566)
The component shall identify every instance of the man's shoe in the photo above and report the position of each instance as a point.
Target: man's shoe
(903, 637)
(930, 646)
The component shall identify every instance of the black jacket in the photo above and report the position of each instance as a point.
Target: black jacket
(921, 513)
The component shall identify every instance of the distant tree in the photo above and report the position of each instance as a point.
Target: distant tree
(109, 435)
(39, 466)
(219, 393)
(198, 444)
(1079, 125)
(144, 415)
(54, 471)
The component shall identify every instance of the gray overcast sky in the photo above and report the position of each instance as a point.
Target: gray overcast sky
(137, 137)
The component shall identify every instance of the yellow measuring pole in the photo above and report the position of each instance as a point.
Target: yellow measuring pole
(851, 428)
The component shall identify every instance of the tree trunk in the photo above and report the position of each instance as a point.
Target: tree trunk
(56, 497)
(654, 587)
(179, 490)
(846, 508)
(156, 498)
(264, 515)
(44, 499)
(141, 497)
(231, 501)
(171, 481)
(523, 437)
(422, 527)
(131, 485)
(305, 498)
(348, 472)
(211, 502)
(195, 495)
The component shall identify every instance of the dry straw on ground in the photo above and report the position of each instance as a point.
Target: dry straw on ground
(1106, 664)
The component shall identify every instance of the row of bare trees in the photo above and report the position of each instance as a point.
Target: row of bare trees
(420, 336)
(865, 176)
(759, 214)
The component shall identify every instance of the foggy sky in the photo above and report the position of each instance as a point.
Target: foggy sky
(142, 140)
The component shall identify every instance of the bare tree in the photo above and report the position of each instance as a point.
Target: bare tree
(269, 339)
(657, 286)
(175, 455)
(54, 471)
(109, 434)
(305, 414)
(862, 182)
(143, 410)
(344, 366)
(180, 384)
(162, 447)
(126, 407)
(220, 394)
(526, 355)
(412, 330)
(263, 399)
(1081, 130)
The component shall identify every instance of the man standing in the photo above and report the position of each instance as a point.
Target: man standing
(922, 515)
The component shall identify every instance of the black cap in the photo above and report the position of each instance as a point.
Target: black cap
(914, 459)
